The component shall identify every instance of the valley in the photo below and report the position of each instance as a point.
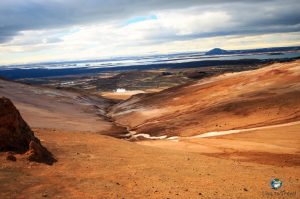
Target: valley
(225, 135)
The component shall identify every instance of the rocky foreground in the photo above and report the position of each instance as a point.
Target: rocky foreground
(17, 137)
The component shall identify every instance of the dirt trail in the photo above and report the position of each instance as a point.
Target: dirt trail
(221, 133)
(279, 145)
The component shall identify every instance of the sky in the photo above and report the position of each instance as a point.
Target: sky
(57, 30)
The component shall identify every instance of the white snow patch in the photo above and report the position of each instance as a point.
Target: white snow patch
(120, 90)
(216, 133)
(147, 136)
(173, 138)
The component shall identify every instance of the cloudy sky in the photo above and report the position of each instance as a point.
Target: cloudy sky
(48, 30)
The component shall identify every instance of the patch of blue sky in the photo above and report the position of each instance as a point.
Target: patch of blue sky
(140, 19)
(67, 33)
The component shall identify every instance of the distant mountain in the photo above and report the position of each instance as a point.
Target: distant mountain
(217, 51)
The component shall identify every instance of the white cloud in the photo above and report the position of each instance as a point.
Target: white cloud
(187, 29)
(186, 23)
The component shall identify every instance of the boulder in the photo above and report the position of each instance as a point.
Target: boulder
(16, 136)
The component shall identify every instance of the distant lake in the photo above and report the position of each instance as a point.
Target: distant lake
(149, 60)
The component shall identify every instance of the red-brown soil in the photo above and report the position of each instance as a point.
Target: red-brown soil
(94, 166)
(91, 165)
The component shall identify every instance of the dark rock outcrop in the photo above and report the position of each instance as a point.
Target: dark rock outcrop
(10, 156)
(217, 51)
(16, 135)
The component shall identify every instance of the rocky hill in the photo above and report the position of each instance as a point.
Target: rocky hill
(217, 51)
(266, 96)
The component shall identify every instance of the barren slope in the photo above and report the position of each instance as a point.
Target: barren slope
(270, 95)
(52, 108)
(90, 165)
(275, 145)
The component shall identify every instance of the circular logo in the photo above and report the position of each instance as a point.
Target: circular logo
(276, 183)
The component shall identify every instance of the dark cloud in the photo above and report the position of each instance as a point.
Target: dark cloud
(7, 33)
(259, 16)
